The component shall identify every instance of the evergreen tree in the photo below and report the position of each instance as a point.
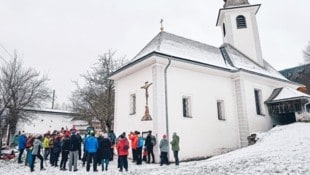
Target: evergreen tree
(306, 53)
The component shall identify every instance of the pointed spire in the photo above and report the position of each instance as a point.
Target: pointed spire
(161, 25)
(230, 3)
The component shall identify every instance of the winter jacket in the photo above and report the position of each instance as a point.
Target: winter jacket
(175, 143)
(148, 142)
(37, 145)
(134, 141)
(91, 145)
(57, 146)
(46, 142)
(15, 140)
(29, 143)
(104, 148)
(65, 144)
(164, 145)
(22, 139)
(74, 143)
(121, 145)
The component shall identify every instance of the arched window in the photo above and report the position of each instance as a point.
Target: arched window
(241, 22)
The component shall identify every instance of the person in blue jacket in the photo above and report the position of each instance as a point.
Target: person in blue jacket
(91, 146)
(22, 139)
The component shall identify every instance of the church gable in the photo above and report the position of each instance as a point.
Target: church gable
(183, 49)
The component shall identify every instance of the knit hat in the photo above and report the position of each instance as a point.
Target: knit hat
(164, 136)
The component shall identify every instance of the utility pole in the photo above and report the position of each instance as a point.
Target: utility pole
(53, 99)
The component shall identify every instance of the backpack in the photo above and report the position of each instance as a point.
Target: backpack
(125, 147)
(29, 143)
(153, 140)
(140, 142)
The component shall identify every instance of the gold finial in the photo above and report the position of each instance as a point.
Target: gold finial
(161, 25)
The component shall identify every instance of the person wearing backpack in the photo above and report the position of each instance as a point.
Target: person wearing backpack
(139, 148)
(175, 147)
(150, 142)
(122, 149)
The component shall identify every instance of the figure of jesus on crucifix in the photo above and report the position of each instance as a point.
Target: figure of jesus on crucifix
(147, 115)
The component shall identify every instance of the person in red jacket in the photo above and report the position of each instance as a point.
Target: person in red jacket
(134, 142)
(122, 149)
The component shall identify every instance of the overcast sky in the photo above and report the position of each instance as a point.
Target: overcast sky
(62, 38)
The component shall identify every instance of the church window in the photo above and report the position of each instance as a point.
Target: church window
(186, 106)
(241, 22)
(224, 29)
(220, 110)
(132, 104)
(258, 101)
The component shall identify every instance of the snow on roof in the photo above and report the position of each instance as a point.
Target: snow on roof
(241, 61)
(286, 93)
(180, 47)
(184, 48)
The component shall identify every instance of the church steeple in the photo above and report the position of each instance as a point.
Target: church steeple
(229, 3)
(238, 22)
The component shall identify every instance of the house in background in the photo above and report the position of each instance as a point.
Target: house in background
(212, 97)
(299, 74)
(43, 120)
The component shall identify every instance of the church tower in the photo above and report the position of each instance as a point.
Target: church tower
(239, 26)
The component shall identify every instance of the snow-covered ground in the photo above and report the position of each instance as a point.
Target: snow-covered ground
(283, 150)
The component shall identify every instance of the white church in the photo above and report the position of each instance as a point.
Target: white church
(212, 97)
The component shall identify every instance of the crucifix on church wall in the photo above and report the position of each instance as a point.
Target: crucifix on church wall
(147, 115)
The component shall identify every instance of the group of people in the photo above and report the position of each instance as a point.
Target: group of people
(98, 149)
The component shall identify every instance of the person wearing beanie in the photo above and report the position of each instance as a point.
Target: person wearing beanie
(104, 151)
(91, 146)
(150, 142)
(65, 147)
(164, 148)
(122, 149)
(73, 151)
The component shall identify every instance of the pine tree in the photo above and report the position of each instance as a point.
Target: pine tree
(306, 53)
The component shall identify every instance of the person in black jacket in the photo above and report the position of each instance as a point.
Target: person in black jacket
(73, 152)
(104, 151)
(56, 151)
(65, 147)
(150, 141)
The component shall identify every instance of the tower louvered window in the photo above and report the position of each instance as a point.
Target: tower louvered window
(224, 29)
(241, 22)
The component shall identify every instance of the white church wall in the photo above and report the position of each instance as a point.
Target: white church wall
(257, 122)
(124, 122)
(203, 134)
(260, 122)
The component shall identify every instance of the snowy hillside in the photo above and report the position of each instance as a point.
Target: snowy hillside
(283, 150)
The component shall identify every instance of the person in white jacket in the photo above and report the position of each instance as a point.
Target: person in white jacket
(37, 146)
(164, 148)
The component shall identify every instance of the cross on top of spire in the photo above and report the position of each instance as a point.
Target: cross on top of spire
(229, 3)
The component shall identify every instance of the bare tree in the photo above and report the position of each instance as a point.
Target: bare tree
(96, 98)
(20, 88)
(306, 53)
